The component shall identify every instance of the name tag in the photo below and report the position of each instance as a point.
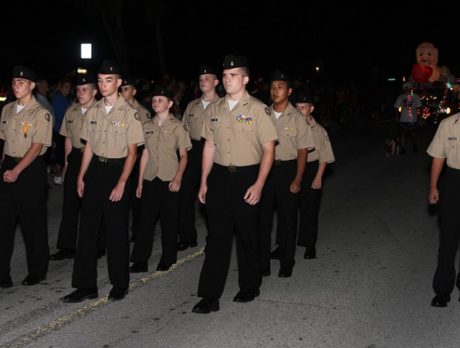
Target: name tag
(70, 121)
(93, 122)
(452, 138)
(149, 132)
(4, 122)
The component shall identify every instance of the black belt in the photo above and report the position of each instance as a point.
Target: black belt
(76, 149)
(14, 159)
(235, 169)
(280, 162)
(108, 160)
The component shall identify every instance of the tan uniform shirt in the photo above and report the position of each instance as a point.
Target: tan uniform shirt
(144, 114)
(323, 148)
(446, 141)
(239, 134)
(193, 118)
(109, 134)
(33, 124)
(293, 134)
(72, 124)
(162, 143)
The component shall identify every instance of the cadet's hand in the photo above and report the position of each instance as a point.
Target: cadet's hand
(295, 186)
(80, 187)
(117, 192)
(433, 196)
(139, 191)
(202, 193)
(10, 176)
(252, 196)
(174, 185)
(316, 183)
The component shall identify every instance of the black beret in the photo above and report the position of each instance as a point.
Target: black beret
(128, 81)
(304, 97)
(23, 72)
(231, 61)
(84, 79)
(280, 75)
(207, 69)
(109, 67)
(162, 91)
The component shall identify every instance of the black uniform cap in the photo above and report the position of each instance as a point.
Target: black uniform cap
(128, 81)
(161, 91)
(207, 69)
(23, 72)
(304, 97)
(109, 67)
(231, 61)
(84, 79)
(280, 75)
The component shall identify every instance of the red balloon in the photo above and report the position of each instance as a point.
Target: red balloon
(421, 73)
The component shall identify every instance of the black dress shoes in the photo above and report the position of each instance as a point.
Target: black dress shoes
(33, 279)
(162, 267)
(275, 254)
(139, 267)
(206, 306)
(246, 296)
(440, 300)
(62, 255)
(117, 293)
(81, 294)
(185, 245)
(310, 253)
(6, 283)
(285, 272)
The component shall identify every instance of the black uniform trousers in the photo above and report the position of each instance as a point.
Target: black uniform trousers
(309, 208)
(68, 230)
(134, 202)
(276, 194)
(25, 200)
(157, 202)
(98, 212)
(228, 213)
(449, 222)
(188, 194)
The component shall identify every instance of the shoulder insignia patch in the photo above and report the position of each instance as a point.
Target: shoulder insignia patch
(136, 116)
(47, 117)
(267, 111)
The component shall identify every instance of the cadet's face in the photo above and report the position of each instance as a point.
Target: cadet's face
(65, 89)
(127, 92)
(160, 104)
(22, 87)
(207, 82)
(279, 91)
(234, 81)
(108, 84)
(304, 108)
(85, 93)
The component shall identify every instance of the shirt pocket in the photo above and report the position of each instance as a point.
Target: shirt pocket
(117, 128)
(289, 132)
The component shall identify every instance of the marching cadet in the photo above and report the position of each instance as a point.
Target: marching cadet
(112, 132)
(312, 186)
(71, 129)
(128, 91)
(160, 179)
(444, 149)
(237, 157)
(193, 120)
(284, 181)
(26, 127)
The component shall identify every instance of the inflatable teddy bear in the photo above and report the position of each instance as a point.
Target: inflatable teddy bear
(427, 69)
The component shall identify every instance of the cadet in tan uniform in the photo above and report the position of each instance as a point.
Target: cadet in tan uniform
(285, 179)
(112, 133)
(313, 178)
(160, 179)
(445, 148)
(237, 157)
(71, 130)
(26, 127)
(128, 91)
(193, 120)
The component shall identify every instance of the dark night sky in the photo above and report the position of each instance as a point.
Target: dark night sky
(350, 40)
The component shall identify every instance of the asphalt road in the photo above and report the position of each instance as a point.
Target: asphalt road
(369, 287)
